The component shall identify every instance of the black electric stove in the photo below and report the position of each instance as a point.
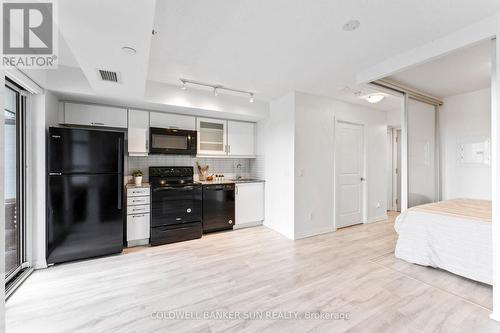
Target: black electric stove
(176, 205)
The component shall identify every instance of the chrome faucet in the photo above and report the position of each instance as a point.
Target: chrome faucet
(238, 171)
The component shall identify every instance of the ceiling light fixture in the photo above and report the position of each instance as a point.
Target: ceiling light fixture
(216, 88)
(374, 98)
(129, 50)
(351, 25)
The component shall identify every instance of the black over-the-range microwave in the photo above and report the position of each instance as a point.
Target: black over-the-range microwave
(172, 141)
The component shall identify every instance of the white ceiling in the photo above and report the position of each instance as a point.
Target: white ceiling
(270, 47)
(459, 72)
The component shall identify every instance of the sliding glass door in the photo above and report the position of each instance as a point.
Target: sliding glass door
(422, 168)
(14, 180)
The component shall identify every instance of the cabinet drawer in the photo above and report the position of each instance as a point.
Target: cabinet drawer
(134, 201)
(138, 209)
(138, 192)
(138, 227)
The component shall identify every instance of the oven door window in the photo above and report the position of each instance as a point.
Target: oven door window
(170, 142)
(176, 205)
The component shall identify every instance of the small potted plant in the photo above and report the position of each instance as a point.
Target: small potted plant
(137, 174)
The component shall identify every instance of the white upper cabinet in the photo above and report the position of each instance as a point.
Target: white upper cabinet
(240, 138)
(212, 136)
(94, 115)
(169, 120)
(138, 132)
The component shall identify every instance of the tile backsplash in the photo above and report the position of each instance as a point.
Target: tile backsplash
(225, 166)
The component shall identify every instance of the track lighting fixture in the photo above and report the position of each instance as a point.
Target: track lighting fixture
(216, 88)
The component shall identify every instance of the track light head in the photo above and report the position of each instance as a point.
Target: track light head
(251, 98)
(216, 92)
(183, 86)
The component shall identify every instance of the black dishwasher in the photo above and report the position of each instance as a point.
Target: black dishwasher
(218, 207)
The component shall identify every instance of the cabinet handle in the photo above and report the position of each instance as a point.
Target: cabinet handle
(134, 216)
(229, 149)
(102, 124)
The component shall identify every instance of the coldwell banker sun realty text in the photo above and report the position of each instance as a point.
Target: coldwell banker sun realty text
(29, 35)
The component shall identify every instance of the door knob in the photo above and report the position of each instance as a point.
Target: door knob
(362, 179)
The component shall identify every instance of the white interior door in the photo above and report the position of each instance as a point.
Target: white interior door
(349, 168)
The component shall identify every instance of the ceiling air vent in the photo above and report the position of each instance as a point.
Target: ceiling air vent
(108, 75)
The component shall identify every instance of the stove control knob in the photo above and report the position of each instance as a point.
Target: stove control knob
(188, 210)
(230, 221)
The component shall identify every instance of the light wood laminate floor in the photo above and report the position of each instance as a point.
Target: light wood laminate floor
(251, 271)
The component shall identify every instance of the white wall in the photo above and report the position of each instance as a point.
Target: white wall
(462, 117)
(395, 118)
(43, 112)
(314, 161)
(275, 145)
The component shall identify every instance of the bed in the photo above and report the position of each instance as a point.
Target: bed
(454, 235)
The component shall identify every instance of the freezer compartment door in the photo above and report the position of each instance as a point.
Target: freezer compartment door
(72, 150)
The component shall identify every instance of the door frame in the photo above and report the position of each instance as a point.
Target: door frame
(21, 182)
(335, 175)
(395, 172)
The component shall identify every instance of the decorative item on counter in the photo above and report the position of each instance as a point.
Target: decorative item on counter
(137, 174)
(202, 171)
(210, 178)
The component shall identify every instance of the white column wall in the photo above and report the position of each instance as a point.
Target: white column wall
(495, 173)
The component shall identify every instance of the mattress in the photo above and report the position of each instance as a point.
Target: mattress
(454, 235)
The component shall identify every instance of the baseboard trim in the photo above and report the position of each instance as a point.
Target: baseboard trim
(377, 218)
(314, 232)
(40, 264)
(495, 315)
(138, 242)
(247, 225)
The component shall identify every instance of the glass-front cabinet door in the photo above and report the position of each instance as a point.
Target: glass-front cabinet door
(212, 136)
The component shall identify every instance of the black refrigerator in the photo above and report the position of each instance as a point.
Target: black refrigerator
(84, 193)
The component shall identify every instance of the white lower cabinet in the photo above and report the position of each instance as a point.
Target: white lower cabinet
(249, 204)
(138, 216)
(137, 227)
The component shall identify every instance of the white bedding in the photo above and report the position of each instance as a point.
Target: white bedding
(458, 245)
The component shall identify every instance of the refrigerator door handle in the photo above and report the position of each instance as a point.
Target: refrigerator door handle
(120, 176)
(120, 190)
(120, 155)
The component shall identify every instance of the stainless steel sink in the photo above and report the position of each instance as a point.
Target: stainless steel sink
(245, 180)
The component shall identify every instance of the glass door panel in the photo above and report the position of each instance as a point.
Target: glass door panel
(212, 137)
(422, 185)
(11, 185)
